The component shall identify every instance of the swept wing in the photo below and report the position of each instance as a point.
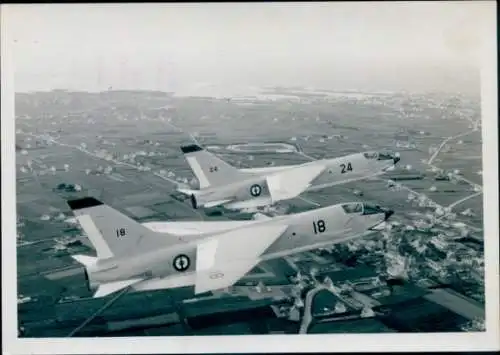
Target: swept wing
(290, 183)
(224, 259)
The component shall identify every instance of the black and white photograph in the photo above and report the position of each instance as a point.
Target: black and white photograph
(300, 175)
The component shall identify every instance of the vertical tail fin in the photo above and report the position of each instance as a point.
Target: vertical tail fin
(111, 232)
(209, 169)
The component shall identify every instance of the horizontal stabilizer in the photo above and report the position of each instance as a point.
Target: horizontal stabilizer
(187, 191)
(106, 289)
(85, 259)
(194, 199)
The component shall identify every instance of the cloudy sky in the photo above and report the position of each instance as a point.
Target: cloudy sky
(368, 46)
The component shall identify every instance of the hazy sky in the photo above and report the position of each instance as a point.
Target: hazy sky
(386, 46)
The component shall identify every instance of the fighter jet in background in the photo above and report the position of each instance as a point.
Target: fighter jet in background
(221, 184)
(208, 255)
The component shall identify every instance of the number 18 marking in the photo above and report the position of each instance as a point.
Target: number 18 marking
(121, 232)
(319, 226)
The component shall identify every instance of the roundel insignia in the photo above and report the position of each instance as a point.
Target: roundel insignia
(255, 190)
(181, 262)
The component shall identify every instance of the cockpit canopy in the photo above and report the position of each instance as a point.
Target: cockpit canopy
(362, 208)
(371, 155)
(378, 155)
(386, 156)
(354, 207)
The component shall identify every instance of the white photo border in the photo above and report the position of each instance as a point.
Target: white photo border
(488, 340)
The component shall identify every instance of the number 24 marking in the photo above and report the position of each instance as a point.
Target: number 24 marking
(345, 168)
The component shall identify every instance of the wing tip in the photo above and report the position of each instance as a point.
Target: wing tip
(85, 202)
(191, 148)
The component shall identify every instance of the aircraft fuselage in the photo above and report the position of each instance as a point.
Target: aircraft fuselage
(177, 265)
(257, 192)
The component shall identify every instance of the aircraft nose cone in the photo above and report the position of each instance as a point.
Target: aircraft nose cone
(396, 159)
(388, 213)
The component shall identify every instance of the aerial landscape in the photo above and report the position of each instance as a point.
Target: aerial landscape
(248, 176)
(423, 272)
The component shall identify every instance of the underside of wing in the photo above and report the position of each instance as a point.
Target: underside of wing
(224, 259)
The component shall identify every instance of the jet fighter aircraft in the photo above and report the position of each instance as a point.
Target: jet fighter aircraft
(208, 255)
(221, 184)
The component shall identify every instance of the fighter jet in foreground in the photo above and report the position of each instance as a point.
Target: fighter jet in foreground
(208, 255)
(224, 185)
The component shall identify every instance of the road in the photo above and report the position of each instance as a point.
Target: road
(441, 146)
(454, 204)
(115, 161)
(458, 177)
(85, 151)
(308, 317)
